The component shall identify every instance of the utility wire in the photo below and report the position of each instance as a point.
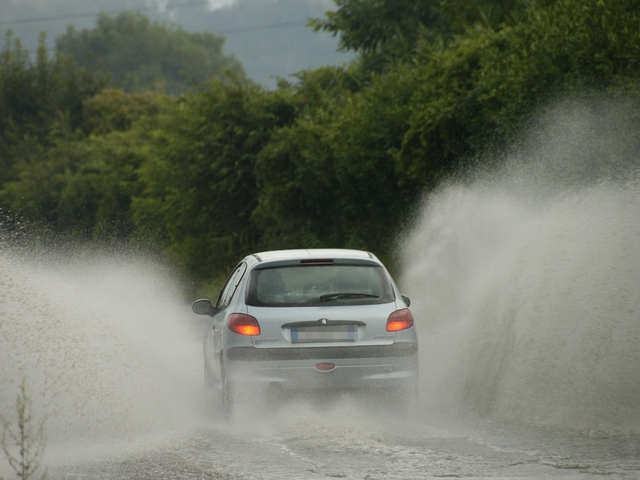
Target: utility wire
(253, 28)
(200, 3)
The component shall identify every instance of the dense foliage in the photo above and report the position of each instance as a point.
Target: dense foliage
(38, 99)
(199, 175)
(140, 54)
(385, 31)
(339, 157)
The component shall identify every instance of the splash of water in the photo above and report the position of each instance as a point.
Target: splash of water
(527, 280)
(104, 344)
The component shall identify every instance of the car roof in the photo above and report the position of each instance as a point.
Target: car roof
(314, 253)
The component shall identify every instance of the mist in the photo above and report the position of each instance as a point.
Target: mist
(526, 277)
(103, 343)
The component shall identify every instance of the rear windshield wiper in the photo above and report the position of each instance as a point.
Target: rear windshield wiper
(336, 296)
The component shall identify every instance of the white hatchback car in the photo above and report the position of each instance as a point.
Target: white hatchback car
(309, 320)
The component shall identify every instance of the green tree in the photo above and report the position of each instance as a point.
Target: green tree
(35, 96)
(367, 26)
(114, 110)
(330, 178)
(384, 32)
(142, 55)
(461, 15)
(338, 157)
(80, 187)
(199, 183)
(484, 88)
(351, 167)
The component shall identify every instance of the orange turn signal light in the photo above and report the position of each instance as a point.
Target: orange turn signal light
(400, 320)
(243, 324)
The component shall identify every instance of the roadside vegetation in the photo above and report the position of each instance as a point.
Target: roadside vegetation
(140, 55)
(23, 441)
(338, 157)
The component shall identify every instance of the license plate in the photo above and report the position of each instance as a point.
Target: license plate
(324, 333)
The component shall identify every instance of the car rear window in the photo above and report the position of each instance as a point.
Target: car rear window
(319, 285)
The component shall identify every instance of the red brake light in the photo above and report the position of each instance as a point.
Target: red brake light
(400, 320)
(243, 324)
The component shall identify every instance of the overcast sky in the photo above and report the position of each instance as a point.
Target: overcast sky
(267, 36)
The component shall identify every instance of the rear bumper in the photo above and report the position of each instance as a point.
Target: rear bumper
(249, 354)
(363, 367)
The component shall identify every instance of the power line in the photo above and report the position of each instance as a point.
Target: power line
(72, 16)
(254, 28)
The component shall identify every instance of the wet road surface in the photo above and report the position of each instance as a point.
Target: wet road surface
(341, 442)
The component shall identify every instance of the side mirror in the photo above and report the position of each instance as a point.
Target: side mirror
(406, 300)
(203, 307)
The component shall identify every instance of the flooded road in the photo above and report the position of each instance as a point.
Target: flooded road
(525, 286)
(323, 447)
(114, 359)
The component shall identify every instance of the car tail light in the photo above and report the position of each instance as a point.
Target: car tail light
(243, 324)
(399, 320)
